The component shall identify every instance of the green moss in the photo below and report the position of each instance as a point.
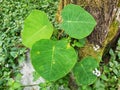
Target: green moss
(112, 33)
(119, 3)
(88, 50)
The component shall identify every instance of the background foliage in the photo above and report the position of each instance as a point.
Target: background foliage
(12, 14)
(12, 52)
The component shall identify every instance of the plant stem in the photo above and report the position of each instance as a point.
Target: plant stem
(29, 85)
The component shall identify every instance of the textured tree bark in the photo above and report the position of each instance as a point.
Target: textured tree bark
(104, 12)
(107, 29)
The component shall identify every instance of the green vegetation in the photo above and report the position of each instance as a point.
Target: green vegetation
(49, 56)
(84, 71)
(75, 18)
(58, 55)
(12, 51)
(109, 80)
(36, 27)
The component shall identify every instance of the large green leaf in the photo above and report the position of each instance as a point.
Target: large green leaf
(36, 27)
(83, 71)
(53, 59)
(77, 22)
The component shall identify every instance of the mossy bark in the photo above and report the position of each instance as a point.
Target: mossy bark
(106, 30)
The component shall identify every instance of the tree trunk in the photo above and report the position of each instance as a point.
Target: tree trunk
(107, 29)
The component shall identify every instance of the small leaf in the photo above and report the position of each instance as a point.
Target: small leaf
(83, 71)
(80, 43)
(99, 85)
(53, 59)
(104, 77)
(36, 75)
(119, 55)
(16, 85)
(115, 71)
(77, 22)
(36, 27)
(14, 54)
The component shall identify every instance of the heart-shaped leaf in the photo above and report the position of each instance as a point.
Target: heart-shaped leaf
(36, 27)
(77, 22)
(83, 71)
(53, 59)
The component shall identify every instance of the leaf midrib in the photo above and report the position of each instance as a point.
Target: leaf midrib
(52, 57)
(34, 35)
(79, 22)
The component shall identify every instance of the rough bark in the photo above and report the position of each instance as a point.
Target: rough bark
(104, 12)
(107, 29)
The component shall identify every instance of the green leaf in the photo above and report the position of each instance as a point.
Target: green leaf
(16, 85)
(36, 27)
(104, 77)
(77, 22)
(36, 76)
(99, 85)
(14, 54)
(83, 71)
(80, 43)
(53, 59)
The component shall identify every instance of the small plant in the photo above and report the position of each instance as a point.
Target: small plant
(53, 59)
